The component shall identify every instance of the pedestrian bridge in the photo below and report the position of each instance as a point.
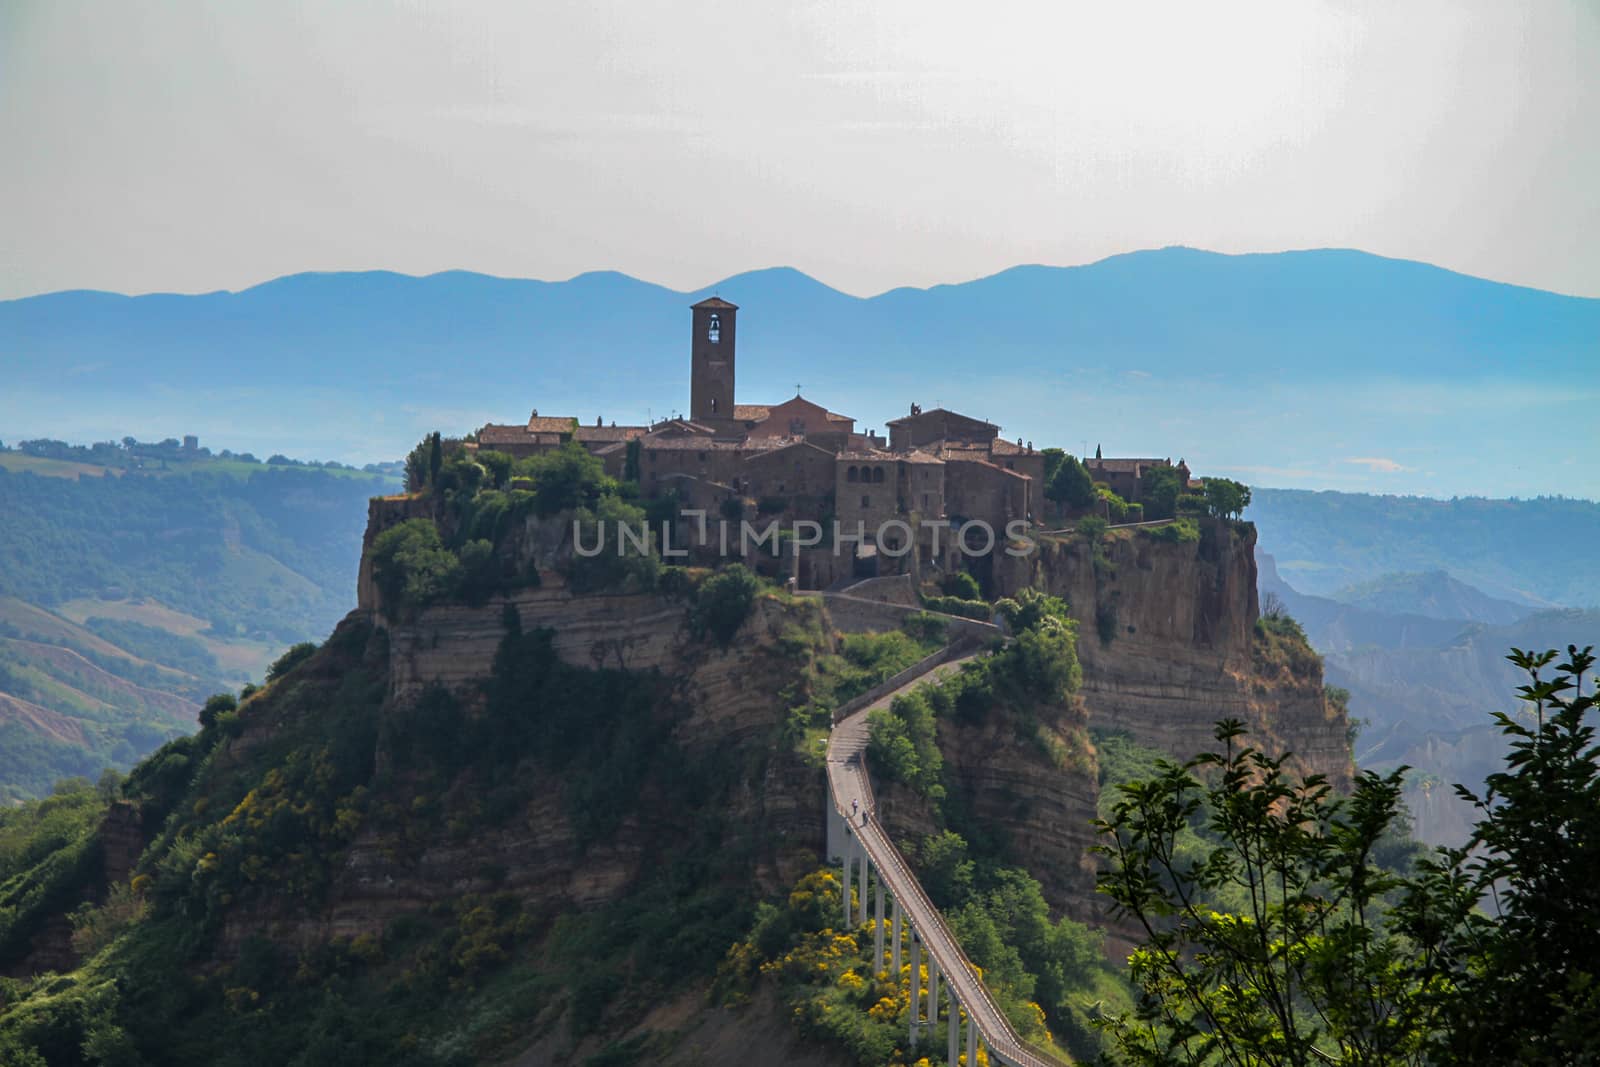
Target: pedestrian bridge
(915, 930)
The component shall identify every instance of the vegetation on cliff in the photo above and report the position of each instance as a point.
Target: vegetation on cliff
(1282, 927)
(825, 973)
(1037, 669)
(253, 821)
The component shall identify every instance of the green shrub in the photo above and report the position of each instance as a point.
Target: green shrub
(1092, 527)
(411, 566)
(296, 655)
(619, 564)
(925, 628)
(961, 585)
(1116, 507)
(724, 600)
(949, 605)
(1179, 531)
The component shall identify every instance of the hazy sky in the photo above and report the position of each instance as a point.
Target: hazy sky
(173, 145)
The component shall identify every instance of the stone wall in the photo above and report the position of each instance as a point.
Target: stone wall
(851, 614)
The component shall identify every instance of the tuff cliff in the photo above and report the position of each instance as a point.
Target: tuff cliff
(1169, 642)
(411, 802)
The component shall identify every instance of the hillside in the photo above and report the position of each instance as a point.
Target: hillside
(1533, 553)
(527, 806)
(131, 589)
(1432, 594)
(1422, 687)
(1137, 352)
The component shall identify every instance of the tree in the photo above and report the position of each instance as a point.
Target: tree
(724, 600)
(435, 457)
(216, 706)
(1274, 934)
(1528, 974)
(1260, 907)
(1053, 458)
(1071, 485)
(411, 566)
(296, 655)
(1226, 498)
(630, 460)
(1159, 491)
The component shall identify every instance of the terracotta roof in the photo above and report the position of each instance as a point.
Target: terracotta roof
(680, 425)
(872, 457)
(784, 445)
(1124, 466)
(1003, 447)
(515, 435)
(760, 412)
(716, 302)
(609, 433)
(550, 424)
(938, 411)
(492, 433)
(919, 456)
(706, 444)
(975, 461)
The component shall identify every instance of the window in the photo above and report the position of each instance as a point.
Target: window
(702, 457)
(877, 474)
(924, 499)
(866, 501)
(851, 475)
(713, 405)
(714, 330)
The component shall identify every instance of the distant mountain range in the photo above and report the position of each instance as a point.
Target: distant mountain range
(1423, 685)
(1387, 553)
(1333, 369)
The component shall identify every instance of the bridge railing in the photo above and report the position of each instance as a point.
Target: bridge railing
(999, 1035)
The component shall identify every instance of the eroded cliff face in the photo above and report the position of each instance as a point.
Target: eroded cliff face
(719, 704)
(1033, 805)
(1166, 636)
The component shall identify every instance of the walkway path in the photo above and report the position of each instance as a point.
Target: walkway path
(852, 793)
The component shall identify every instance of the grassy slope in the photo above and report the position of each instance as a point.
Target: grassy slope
(271, 561)
(255, 814)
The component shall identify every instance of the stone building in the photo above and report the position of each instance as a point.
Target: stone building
(1125, 477)
(798, 460)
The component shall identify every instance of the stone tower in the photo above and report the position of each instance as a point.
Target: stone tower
(711, 370)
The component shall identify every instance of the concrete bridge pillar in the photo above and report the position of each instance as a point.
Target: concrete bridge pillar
(954, 1053)
(848, 848)
(916, 987)
(877, 929)
(861, 891)
(894, 939)
(972, 1041)
(933, 989)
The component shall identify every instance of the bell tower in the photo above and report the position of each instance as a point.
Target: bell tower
(711, 362)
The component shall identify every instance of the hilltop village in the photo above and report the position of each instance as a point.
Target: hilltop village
(796, 460)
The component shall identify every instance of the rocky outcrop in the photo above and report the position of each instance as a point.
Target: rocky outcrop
(722, 703)
(1166, 638)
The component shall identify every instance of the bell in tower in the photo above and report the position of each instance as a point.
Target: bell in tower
(711, 370)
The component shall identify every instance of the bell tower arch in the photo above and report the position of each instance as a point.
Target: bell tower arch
(712, 361)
